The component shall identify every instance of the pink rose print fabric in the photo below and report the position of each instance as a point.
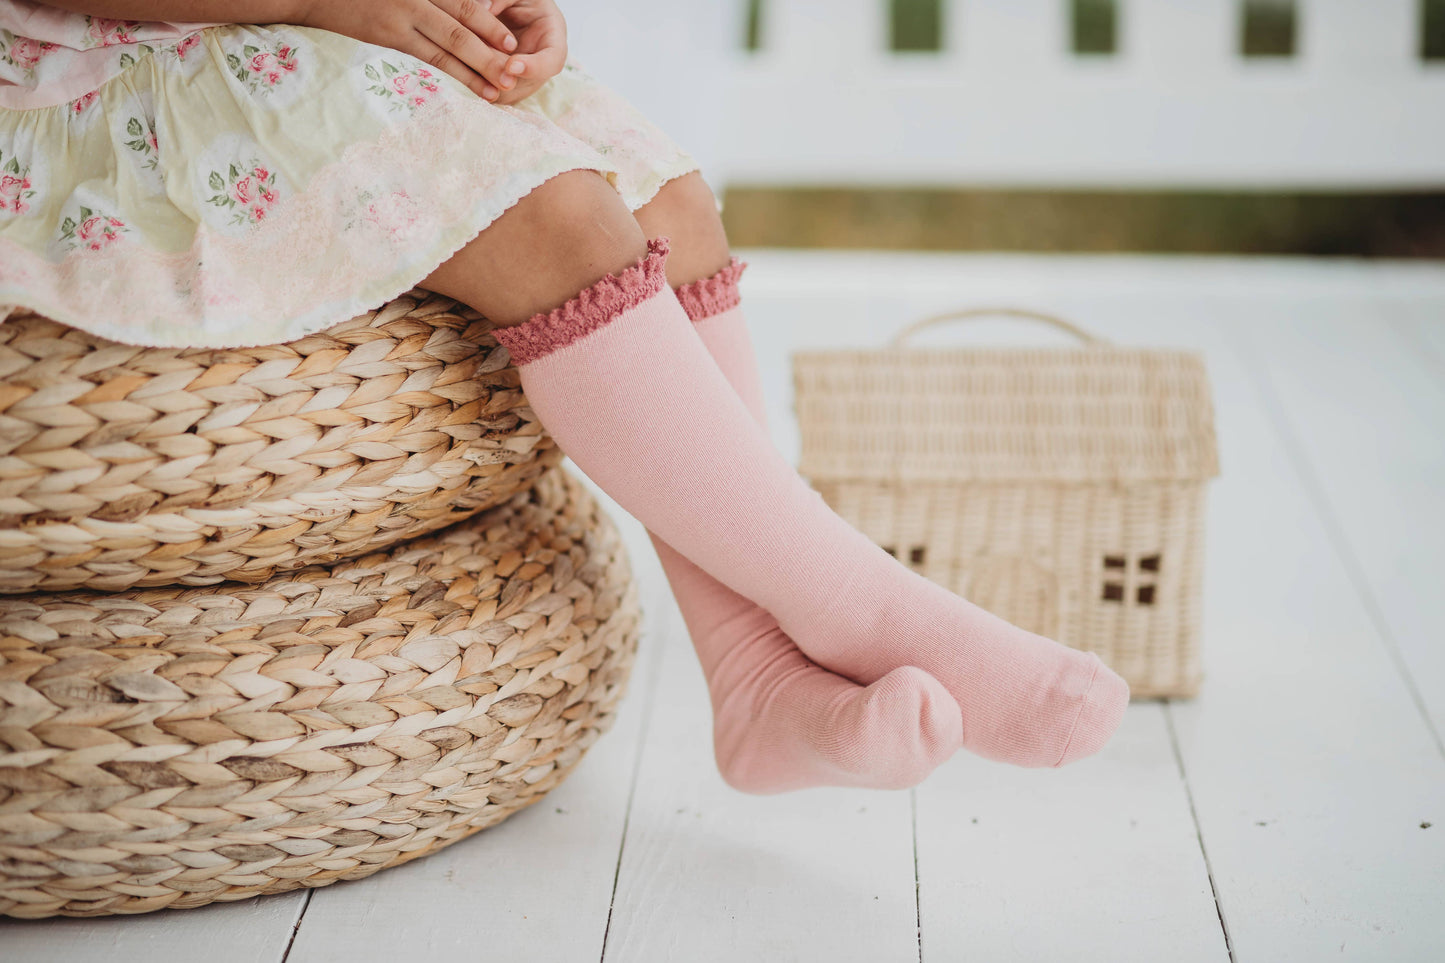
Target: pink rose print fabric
(51, 56)
(92, 231)
(100, 32)
(401, 87)
(262, 69)
(16, 188)
(230, 184)
(25, 54)
(246, 192)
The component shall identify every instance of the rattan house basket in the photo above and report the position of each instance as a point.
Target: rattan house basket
(174, 747)
(123, 466)
(1062, 489)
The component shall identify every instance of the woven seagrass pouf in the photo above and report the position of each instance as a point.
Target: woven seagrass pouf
(180, 746)
(124, 466)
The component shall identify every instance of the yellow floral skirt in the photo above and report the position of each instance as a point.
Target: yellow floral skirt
(248, 185)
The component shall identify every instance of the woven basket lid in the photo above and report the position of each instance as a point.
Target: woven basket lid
(1094, 414)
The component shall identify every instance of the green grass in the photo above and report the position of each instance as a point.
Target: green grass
(915, 25)
(1267, 28)
(753, 27)
(1401, 224)
(1432, 29)
(1094, 26)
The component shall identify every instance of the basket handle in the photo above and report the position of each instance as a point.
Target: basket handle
(972, 313)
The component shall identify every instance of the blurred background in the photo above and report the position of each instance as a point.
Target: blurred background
(1243, 126)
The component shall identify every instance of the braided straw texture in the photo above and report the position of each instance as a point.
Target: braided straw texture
(180, 746)
(126, 466)
(1041, 556)
(1062, 490)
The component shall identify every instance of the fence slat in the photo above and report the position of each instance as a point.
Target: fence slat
(824, 34)
(1190, 40)
(1352, 38)
(1008, 37)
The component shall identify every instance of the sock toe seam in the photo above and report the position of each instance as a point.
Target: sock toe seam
(1083, 704)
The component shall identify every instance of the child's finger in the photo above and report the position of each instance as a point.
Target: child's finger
(479, 20)
(541, 65)
(545, 40)
(458, 41)
(429, 52)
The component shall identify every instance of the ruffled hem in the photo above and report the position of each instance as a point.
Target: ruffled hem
(714, 295)
(589, 310)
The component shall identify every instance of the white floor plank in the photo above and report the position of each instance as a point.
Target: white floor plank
(1421, 320)
(246, 931)
(1311, 770)
(535, 887)
(1096, 861)
(710, 874)
(1370, 422)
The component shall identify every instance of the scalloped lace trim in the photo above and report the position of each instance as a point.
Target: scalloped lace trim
(592, 308)
(714, 295)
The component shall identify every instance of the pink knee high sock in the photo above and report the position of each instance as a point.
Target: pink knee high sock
(780, 722)
(628, 390)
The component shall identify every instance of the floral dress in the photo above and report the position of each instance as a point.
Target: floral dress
(222, 185)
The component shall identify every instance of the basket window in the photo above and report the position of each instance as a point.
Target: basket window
(891, 550)
(916, 554)
(1118, 591)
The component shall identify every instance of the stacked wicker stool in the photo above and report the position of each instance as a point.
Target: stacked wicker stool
(281, 616)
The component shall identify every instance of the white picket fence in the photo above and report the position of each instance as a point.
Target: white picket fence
(1007, 103)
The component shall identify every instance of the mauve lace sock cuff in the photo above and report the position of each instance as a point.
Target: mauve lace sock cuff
(714, 295)
(589, 310)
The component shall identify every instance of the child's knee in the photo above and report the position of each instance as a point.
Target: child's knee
(578, 213)
(564, 235)
(685, 210)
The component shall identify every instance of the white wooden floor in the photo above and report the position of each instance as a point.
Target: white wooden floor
(1294, 811)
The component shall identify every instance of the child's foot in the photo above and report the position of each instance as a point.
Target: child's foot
(808, 727)
(1026, 699)
(780, 722)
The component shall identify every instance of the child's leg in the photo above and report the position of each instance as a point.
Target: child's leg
(780, 722)
(630, 393)
(686, 212)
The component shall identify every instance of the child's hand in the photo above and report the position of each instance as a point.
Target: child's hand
(541, 47)
(459, 37)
